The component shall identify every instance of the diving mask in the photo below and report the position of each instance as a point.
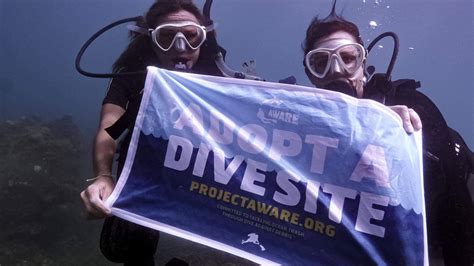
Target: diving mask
(181, 34)
(335, 56)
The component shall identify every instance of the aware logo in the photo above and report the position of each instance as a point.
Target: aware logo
(274, 115)
(270, 113)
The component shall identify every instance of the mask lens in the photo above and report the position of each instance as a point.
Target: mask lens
(194, 35)
(166, 34)
(351, 56)
(318, 61)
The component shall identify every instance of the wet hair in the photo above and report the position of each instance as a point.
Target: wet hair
(320, 28)
(139, 52)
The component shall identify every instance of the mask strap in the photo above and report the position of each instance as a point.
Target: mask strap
(137, 29)
(211, 27)
(144, 31)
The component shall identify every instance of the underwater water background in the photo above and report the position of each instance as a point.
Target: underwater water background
(49, 112)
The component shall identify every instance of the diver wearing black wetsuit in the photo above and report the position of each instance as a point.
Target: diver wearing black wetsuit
(170, 36)
(448, 162)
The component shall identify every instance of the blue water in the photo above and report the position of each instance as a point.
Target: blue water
(40, 39)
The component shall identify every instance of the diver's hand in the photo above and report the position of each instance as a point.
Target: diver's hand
(411, 120)
(94, 196)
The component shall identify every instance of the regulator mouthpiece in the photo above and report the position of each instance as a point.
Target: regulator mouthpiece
(180, 66)
(342, 86)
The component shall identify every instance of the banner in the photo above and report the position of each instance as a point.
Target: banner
(274, 173)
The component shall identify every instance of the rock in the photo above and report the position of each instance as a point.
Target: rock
(37, 168)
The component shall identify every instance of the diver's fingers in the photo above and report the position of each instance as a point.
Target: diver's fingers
(106, 186)
(95, 207)
(415, 119)
(404, 114)
(90, 212)
(99, 207)
(105, 190)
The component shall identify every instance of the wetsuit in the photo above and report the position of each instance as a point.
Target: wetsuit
(447, 165)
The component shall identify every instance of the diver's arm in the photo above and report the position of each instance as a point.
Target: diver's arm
(104, 145)
(94, 195)
(411, 120)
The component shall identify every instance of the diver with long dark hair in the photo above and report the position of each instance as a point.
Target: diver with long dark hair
(335, 60)
(171, 35)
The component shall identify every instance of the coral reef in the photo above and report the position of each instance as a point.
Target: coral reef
(42, 169)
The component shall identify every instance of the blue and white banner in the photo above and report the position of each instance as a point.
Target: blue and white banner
(275, 173)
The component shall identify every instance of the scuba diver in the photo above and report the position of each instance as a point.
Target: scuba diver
(174, 35)
(335, 60)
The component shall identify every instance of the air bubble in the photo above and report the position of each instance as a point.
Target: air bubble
(373, 25)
